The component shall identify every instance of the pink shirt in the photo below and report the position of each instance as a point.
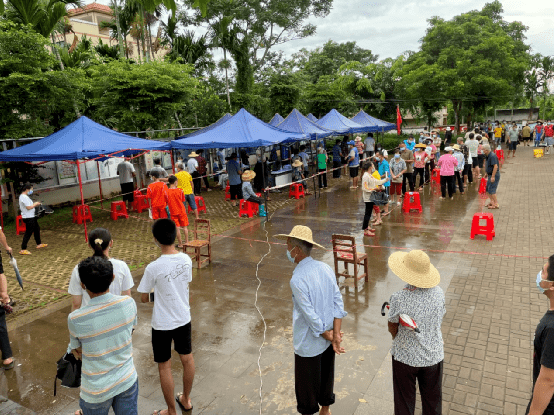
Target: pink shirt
(420, 158)
(447, 163)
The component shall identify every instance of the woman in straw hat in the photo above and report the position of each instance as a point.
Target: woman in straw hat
(417, 355)
(369, 185)
(248, 193)
(298, 175)
(420, 158)
(317, 316)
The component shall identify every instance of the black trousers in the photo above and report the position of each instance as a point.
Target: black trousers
(32, 228)
(468, 171)
(197, 182)
(448, 182)
(421, 172)
(255, 199)
(408, 177)
(428, 170)
(460, 180)
(4, 339)
(367, 214)
(236, 191)
(336, 167)
(404, 385)
(206, 182)
(322, 178)
(314, 380)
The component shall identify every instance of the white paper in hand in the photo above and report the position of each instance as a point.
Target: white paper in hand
(149, 213)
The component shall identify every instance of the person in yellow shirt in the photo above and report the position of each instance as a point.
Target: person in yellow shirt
(184, 182)
(497, 134)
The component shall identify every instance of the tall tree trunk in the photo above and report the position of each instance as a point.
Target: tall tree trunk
(119, 34)
(227, 79)
(142, 34)
(150, 49)
(530, 117)
(456, 106)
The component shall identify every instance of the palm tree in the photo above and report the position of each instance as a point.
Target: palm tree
(221, 36)
(120, 27)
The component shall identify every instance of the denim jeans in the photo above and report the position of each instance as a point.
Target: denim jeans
(126, 403)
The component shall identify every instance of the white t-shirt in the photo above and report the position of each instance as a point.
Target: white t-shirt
(473, 146)
(123, 281)
(125, 171)
(24, 201)
(169, 276)
(192, 165)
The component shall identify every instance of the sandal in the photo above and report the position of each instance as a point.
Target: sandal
(24, 252)
(178, 399)
(369, 234)
(378, 223)
(42, 246)
(9, 365)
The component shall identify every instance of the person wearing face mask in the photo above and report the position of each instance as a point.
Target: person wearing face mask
(421, 138)
(384, 172)
(437, 140)
(397, 170)
(410, 142)
(447, 165)
(317, 316)
(27, 207)
(542, 401)
(369, 185)
(408, 156)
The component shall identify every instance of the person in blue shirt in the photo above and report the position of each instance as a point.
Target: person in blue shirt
(336, 159)
(234, 171)
(384, 169)
(317, 316)
(410, 143)
(305, 160)
(353, 163)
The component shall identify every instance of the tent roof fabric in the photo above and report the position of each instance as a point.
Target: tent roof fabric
(223, 119)
(241, 130)
(311, 117)
(82, 138)
(367, 120)
(337, 122)
(295, 121)
(276, 120)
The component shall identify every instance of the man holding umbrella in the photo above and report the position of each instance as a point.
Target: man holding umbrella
(7, 360)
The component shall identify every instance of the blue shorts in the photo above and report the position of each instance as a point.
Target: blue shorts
(190, 200)
(491, 187)
(538, 136)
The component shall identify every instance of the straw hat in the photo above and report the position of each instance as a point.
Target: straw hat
(421, 146)
(300, 232)
(248, 175)
(414, 268)
(358, 138)
(456, 147)
(193, 154)
(297, 163)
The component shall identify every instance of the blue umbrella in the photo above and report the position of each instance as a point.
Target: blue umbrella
(13, 263)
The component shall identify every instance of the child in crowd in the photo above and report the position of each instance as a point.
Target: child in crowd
(175, 199)
(157, 195)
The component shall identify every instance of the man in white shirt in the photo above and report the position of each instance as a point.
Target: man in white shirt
(192, 168)
(27, 207)
(168, 280)
(158, 167)
(126, 173)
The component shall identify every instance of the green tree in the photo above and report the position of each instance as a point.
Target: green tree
(532, 82)
(545, 75)
(187, 49)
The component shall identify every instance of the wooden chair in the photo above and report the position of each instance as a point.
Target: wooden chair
(344, 250)
(202, 238)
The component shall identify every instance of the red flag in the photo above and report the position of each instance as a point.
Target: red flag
(398, 120)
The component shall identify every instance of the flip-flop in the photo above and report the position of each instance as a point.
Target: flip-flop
(178, 399)
(42, 246)
(24, 252)
(9, 365)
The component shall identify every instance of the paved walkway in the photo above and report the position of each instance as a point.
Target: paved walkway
(492, 308)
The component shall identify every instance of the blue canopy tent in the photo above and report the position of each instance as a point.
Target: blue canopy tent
(276, 120)
(82, 139)
(375, 124)
(222, 120)
(295, 121)
(241, 130)
(337, 122)
(311, 117)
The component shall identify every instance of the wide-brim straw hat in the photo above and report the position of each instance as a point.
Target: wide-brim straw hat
(414, 268)
(300, 232)
(297, 163)
(358, 138)
(248, 175)
(456, 147)
(421, 145)
(193, 154)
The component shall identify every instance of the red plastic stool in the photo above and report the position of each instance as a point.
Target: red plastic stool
(436, 176)
(200, 204)
(122, 211)
(296, 190)
(20, 226)
(81, 214)
(228, 193)
(411, 202)
(140, 202)
(483, 186)
(487, 229)
(248, 208)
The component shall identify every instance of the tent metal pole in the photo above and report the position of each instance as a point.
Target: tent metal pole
(82, 198)
(263, 183)
(100, 185)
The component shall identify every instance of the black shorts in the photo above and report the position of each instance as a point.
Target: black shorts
(512, 145)
(127, 190)
(481, 159)
(161, 342)
(475, 161)
(353, 172)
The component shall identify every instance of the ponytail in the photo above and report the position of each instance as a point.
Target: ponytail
(99, 240)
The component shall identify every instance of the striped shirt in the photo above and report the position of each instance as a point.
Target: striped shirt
(103, 329)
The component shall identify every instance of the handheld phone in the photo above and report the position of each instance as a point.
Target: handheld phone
(151, 297)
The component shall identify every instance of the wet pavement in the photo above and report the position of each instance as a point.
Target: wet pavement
(492, 308)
